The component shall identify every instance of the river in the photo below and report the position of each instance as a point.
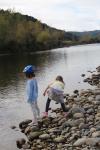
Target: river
(69, 62)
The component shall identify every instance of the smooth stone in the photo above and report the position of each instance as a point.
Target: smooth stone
(97, 98)
(97, 119)
(96, 102)
(97, 115)
(90, 118)
(76, 109)
(86, 107)
(73, 128)
(13, 127)
(80, 141)
(99, 107)
(76, 91)
(98, 110)
(65, 131)
(74, 136)
(20, 142)
(97, 127)
(59, 146)
(78, 115)
(96, 92)
(96, 134)
(82, 75)
(39, 146)
(91, 98)
(59, 139)
(92, 130)
(44, 136)
(34, 135)
(24, 124)
(72, 123)
(86, 133)
(53, 136)
(90, 111)
(51, 130)
(61, 121)
(67, 135)
(31, 129)
(92, 141)
(85, 148)
(83, 126)
(26, 146)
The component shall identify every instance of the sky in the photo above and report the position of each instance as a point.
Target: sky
(68, 15)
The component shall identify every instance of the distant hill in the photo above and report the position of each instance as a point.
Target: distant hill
(94, 33)
(22, 33)
(89, 34)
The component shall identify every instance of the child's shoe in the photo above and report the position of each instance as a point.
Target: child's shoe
(33, 123)
(45, 114)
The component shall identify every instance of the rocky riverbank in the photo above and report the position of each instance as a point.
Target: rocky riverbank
(79, 130)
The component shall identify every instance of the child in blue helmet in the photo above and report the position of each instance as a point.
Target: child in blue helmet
(32, 91)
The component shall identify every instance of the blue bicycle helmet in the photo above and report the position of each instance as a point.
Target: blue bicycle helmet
(29, 69)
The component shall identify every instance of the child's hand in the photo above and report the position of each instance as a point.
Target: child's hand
(44, 93)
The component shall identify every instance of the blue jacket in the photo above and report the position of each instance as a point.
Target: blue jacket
(31, 90)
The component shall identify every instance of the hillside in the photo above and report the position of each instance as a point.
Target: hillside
(22, 33)
(88, 36)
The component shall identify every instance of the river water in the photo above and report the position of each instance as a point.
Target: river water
(69, 62)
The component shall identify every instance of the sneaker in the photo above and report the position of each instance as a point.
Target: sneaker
(35, 124)
(45, 114)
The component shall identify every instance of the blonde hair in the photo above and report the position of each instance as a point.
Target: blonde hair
(60, 78)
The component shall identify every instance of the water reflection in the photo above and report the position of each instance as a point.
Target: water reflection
(11, 65)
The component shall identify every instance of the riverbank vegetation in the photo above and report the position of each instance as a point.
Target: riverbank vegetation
(21, 33)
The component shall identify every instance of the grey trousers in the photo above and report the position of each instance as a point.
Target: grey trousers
(35, 110)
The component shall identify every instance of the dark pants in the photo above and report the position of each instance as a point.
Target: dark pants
(48, 104)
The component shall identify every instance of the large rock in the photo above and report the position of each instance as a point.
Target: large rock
(59, 139)
(90, 111)
(34, 135)
(78, 115)
(97, 98)
(76, 109)
(97, 115)
(20, 142)
(96, 92)
(24, 124)
(44, 136)
(55, 130)
(80, 142)
(31, 129)
(92, 130)
(92, 141)
(96, 134)
(72, 123)
(96, 102)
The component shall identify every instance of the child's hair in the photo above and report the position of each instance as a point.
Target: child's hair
(30, 75)
(60, 78)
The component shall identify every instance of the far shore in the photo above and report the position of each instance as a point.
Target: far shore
(42, 51)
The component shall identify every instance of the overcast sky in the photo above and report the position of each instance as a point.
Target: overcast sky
(69, 15)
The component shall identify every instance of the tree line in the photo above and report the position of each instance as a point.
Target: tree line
(22, 33)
